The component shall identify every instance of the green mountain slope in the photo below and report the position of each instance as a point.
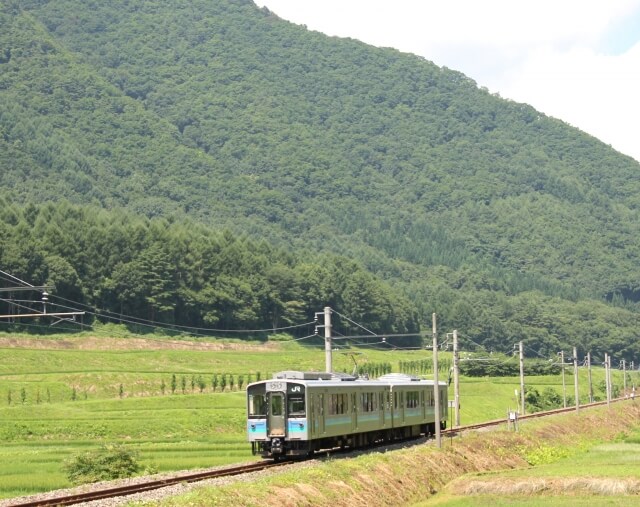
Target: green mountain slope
(223, 112)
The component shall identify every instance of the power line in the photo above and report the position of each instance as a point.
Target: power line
(146, 322)
(15, 278)
(98, 312)
(353, 322)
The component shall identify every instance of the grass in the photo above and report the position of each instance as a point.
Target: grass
(602, 474)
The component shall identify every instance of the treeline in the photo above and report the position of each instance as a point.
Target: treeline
(187, 276)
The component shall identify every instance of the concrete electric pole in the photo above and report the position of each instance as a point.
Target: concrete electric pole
(575, 378)
(328, 360)
(521, 348)
(456, 379)
(436, 384)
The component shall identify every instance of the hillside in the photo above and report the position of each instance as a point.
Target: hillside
(226, 114)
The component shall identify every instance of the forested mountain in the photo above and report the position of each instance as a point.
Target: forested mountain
(509, 224)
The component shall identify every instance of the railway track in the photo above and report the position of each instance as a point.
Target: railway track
(148, 486)
(497, 422)
(243, 469)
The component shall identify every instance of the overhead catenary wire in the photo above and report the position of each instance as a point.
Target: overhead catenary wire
(127, 319)
(14, 279)
(98, 312)
(353, 322)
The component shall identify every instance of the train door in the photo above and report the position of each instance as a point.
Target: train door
(319, 413)
(276, 418)
(354, 411)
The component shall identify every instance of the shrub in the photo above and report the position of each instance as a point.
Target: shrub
(111, 461)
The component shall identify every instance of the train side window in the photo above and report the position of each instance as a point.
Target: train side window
(368, 402)
(338, 404)
(412, 399)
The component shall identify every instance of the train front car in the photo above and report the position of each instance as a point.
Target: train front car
(277, 415)
(297, 413)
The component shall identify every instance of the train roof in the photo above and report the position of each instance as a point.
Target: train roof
(314, 379)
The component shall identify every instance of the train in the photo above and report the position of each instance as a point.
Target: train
(296, 413)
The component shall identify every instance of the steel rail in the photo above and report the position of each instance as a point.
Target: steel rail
(132, 489)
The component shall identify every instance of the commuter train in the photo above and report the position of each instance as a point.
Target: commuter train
(298, 413)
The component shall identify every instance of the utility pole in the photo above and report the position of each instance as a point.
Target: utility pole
(624, 375)
(328, 360)
(609, 377)
(606, 378)
(564, 385)
(521, 378)
(590, 379)
(575, 378)
(436, 384)
(456, 379)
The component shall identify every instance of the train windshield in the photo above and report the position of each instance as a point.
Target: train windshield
(257, 401)
(296, 405)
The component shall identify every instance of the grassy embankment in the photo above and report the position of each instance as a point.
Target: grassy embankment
(572, 459)
(171, 431)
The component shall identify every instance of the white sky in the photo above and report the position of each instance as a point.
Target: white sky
(577, 60)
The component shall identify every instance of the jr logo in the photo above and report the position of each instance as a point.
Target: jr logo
(295, 389)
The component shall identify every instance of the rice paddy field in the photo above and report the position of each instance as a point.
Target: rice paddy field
(60, 396)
